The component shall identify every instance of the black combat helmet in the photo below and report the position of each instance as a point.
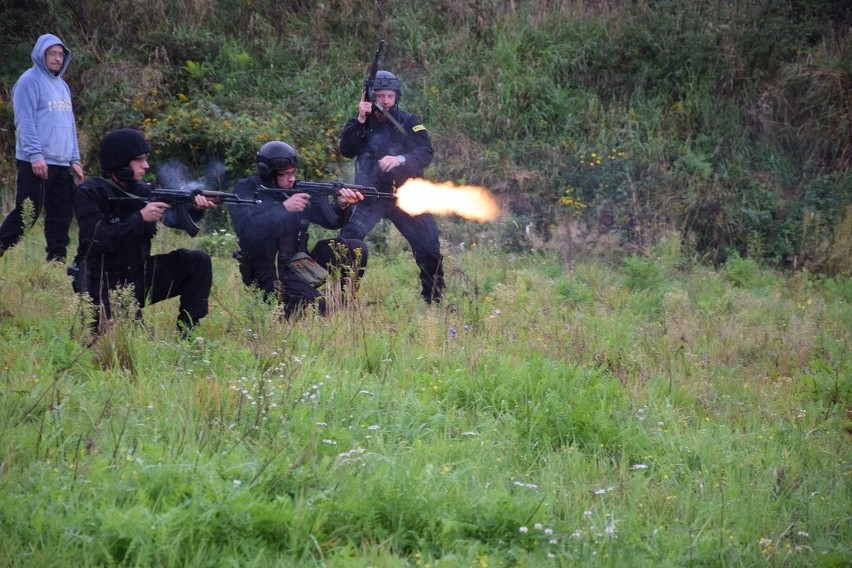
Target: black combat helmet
(118, 148)
(274, 156)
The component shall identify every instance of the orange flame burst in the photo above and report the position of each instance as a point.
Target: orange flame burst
(418, 196)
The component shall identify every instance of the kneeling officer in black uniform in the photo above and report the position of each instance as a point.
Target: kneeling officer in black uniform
(273, 236)
(116, 226)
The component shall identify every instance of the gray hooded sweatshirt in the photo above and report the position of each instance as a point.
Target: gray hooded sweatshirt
(44, 117)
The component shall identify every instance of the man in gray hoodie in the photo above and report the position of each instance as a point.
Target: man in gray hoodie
(47, 152)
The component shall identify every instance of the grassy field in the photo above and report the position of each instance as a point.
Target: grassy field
(654, 413)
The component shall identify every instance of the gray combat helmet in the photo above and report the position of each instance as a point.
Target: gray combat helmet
(387, 80)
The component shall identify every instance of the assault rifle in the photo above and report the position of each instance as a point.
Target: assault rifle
(182, 200)
(325, 191)
(371, 76)
(328, 189)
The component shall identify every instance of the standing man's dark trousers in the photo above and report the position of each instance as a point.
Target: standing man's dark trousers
(55, 195)
(420, 231)
(183, 273)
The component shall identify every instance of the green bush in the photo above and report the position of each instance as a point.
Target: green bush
(742, 272)
(642, 273)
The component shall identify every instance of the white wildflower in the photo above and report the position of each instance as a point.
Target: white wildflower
(353, 453)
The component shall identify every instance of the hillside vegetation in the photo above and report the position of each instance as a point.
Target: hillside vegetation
(602, 125)
(644, 362)
(649, 415)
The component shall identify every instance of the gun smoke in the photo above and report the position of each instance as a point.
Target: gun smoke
(177, 175)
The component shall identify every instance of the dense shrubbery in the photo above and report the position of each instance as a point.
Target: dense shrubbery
(728, 121)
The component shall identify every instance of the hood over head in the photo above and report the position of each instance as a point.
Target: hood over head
(43, 43)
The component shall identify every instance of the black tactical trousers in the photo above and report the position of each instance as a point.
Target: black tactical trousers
(420, 231)
(183, 273)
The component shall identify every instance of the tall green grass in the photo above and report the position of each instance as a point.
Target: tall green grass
(655, 412)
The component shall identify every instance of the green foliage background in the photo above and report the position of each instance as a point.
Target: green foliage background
(726, 121)
(649, 411)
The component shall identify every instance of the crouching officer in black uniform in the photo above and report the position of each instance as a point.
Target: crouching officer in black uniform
(273, 236)
(116, 227)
